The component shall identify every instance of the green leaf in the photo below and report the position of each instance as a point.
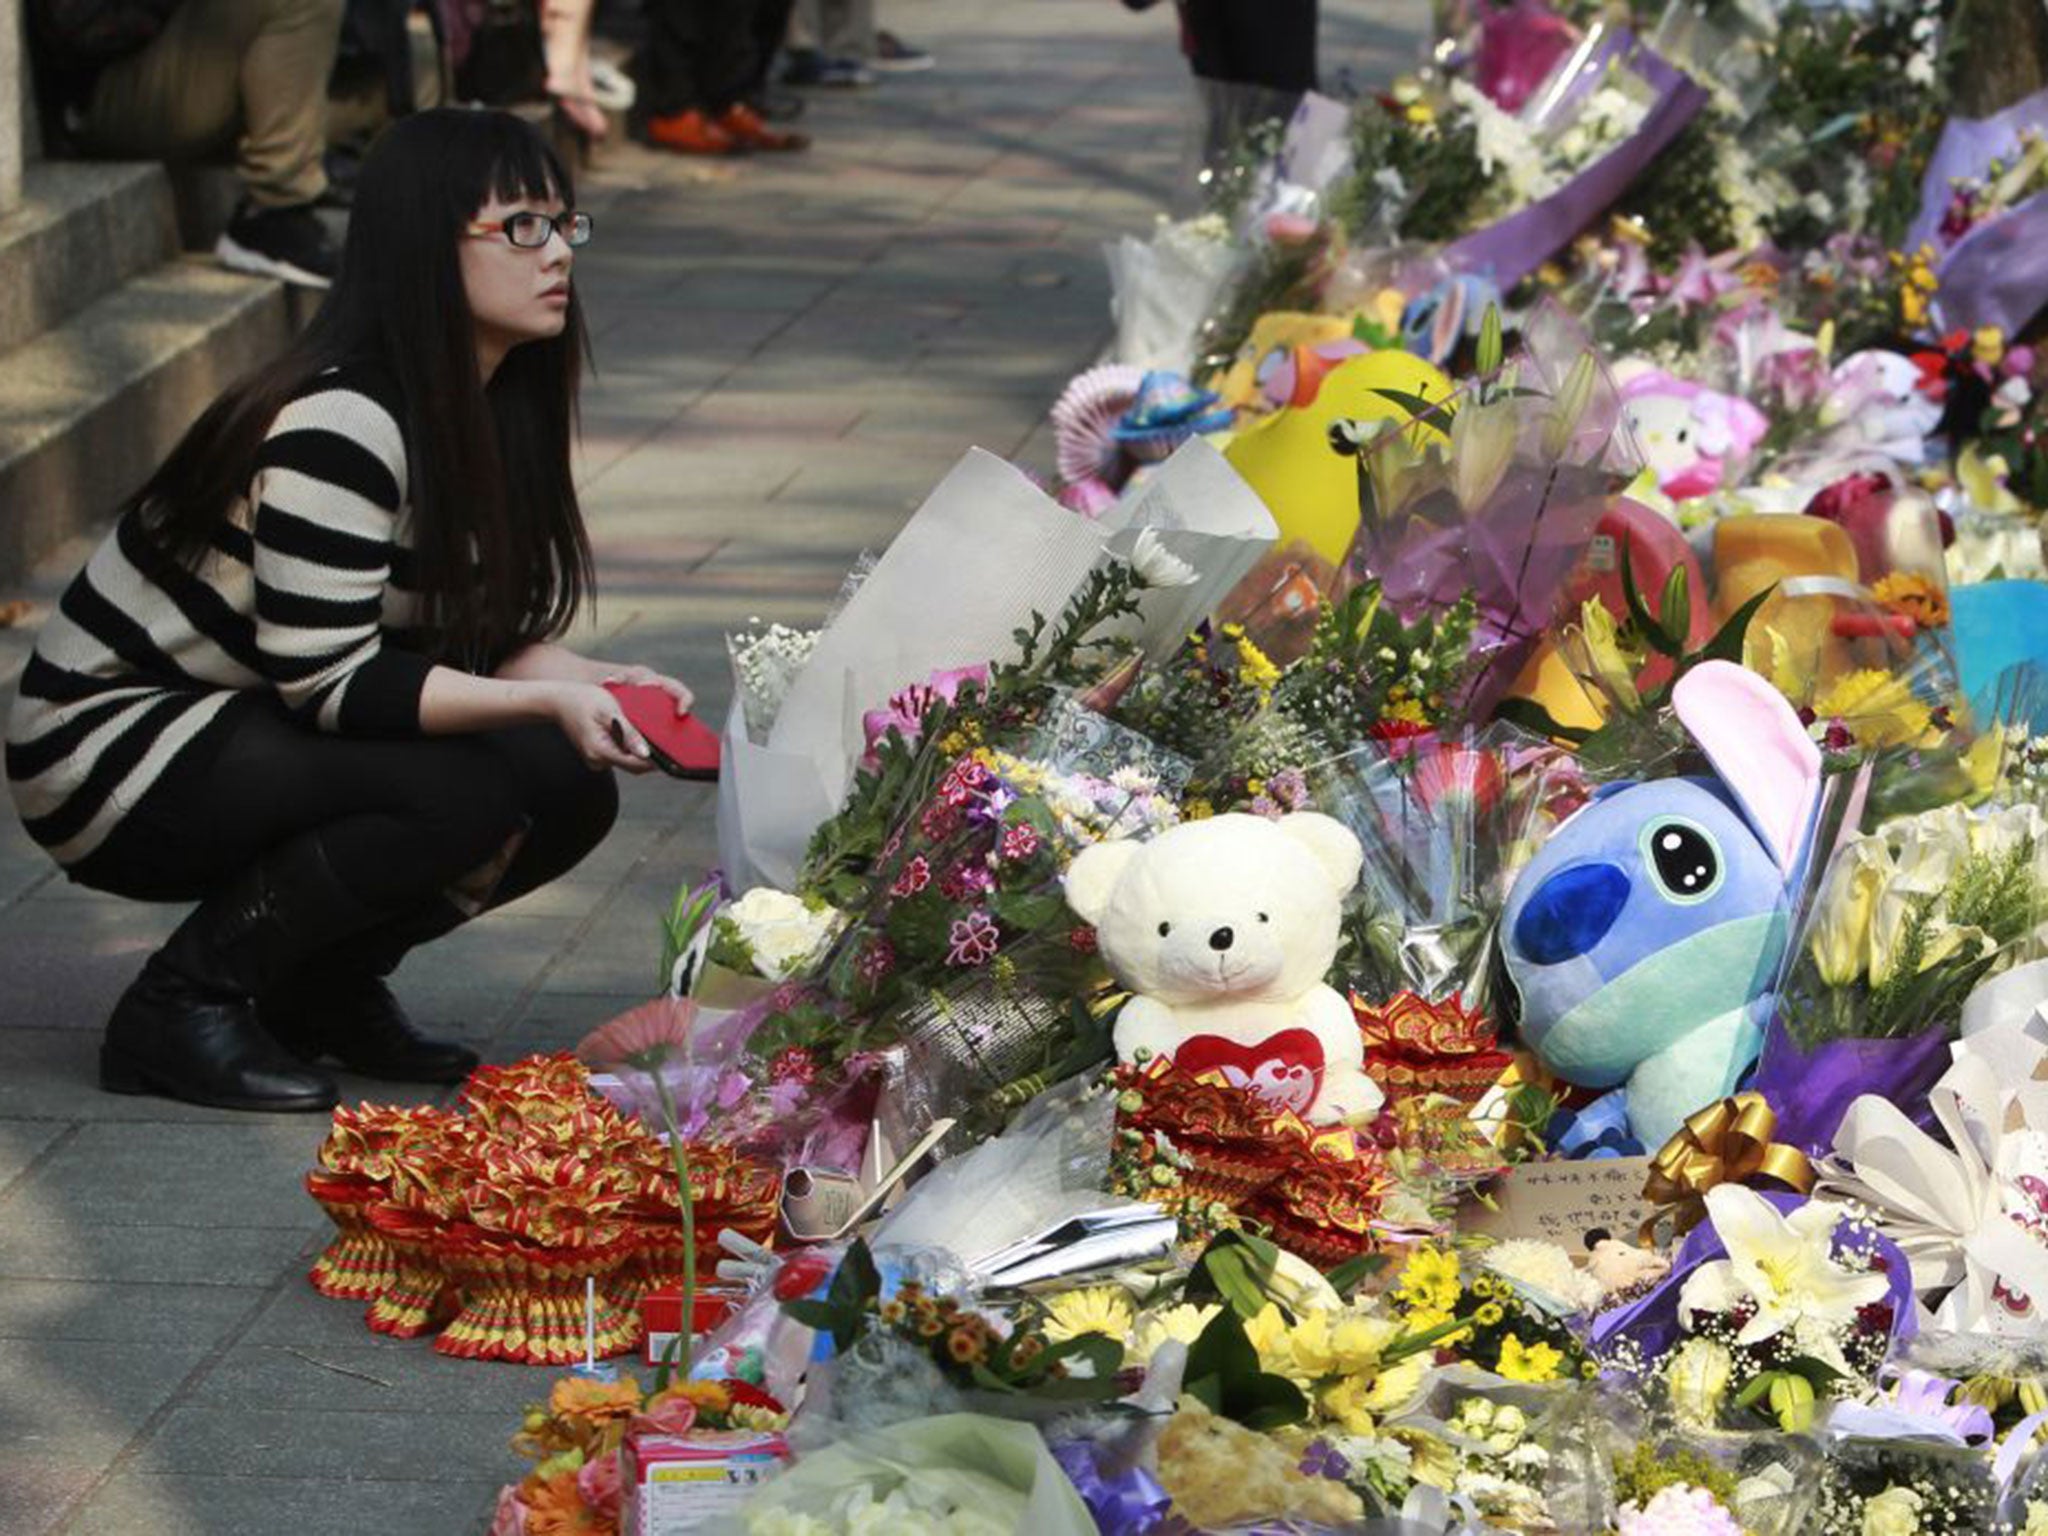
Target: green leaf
(1027, 912)
(1416, 407)
(1639, 612)
(843, 1324)
(1759, 1387)
(1674, 605)
(1347, 1277)
(856, 1282)
(1223, 1371)
(1532, 716)
(1728, 640)
(1236, 1267)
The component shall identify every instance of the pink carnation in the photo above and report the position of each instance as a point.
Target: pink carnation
(1679, 1510)
(509, 1519)
(599, 1484)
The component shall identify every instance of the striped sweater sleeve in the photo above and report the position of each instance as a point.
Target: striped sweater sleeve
(329, 485)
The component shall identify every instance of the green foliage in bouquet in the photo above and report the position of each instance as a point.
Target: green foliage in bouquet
(1649, 1469)
(1366, 667)
(1856, 93)
(1224, 1375)
(1679, 199)
(839, 863)
(970, 1349)
(1434, 166)
(1639, 727)
(1952, 939)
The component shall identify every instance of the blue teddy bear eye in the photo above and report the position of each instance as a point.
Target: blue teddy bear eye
(1683, 858)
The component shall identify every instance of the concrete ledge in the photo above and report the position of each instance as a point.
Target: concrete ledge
(93, 406)
(83, 228)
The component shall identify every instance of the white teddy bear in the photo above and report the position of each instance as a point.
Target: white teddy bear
(1224, 929)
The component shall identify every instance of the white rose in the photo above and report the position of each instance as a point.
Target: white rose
(1698, 1376)
(780, 930)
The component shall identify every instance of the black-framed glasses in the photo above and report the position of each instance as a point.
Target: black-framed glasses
(530, 231)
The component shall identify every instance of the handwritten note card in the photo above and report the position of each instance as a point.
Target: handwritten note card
(1562, 1202)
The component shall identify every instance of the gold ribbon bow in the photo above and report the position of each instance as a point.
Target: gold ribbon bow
(1728, 1142)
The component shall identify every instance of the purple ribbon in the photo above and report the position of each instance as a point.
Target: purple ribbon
(1130, 1503)
(1810, 1091)
(1520, 243)
(1652, 1320)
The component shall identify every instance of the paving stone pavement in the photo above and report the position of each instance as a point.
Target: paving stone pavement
(790, 353)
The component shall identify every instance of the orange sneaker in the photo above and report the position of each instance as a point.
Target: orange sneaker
(750, 130)
(690, 133)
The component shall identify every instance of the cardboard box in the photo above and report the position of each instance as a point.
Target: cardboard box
(674, 1483)
(661, 1316)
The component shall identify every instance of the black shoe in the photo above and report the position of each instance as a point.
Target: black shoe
(356, 1021)
(188, 1028)
(803, 66)
(777, 106)
(171, 1037)
(287, 243)
(894, 56)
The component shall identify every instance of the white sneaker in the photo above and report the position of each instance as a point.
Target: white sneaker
(611, 87)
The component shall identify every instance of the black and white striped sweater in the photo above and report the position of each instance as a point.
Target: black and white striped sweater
(305, 594)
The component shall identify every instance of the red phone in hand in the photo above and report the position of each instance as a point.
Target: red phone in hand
(682, 745)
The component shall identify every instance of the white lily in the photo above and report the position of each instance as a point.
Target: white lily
(1782, 1264)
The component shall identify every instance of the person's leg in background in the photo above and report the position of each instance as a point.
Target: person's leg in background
(248, 76)
(828, 39)
(369, 91)
(701, 63)
(669, 71)
(565, 39)
(771, 26)
(1252, 61)
(317, 861)
(337, 1003)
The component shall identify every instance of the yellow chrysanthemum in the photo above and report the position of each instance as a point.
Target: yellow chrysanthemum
(1878, 708)
(1429, 1281)
(1915, 596)
(1256, 667)
(1529, 1362)
(1103, 1309)
(1407, 711)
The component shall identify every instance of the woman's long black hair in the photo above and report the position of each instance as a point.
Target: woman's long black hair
(502, 556)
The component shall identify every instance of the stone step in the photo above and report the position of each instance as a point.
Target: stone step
(83, 228)
(91, 407)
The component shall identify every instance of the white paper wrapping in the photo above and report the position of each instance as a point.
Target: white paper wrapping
(985, 551)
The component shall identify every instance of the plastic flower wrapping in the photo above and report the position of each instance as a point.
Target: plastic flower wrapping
(1447, 936)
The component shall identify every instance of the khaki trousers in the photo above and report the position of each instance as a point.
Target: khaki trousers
(241, 76)
(837, 29)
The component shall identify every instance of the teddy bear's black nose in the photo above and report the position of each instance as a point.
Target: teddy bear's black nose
(1222, 938)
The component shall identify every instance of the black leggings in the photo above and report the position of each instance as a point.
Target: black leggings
(1253, 42)
(400, 821)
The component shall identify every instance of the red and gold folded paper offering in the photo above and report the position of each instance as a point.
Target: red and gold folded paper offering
(535, 1213)
(1319, 1188)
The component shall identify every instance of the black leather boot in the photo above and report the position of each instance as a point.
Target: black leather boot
(339, 1006)
(187, 1027)
(356, 1021)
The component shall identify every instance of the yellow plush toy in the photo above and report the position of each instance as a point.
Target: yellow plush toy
(1311, 490)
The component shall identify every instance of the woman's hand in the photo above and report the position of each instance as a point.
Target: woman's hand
(647, 677)
(597, 728)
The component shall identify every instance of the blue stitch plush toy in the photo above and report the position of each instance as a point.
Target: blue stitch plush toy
(1644, 939)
